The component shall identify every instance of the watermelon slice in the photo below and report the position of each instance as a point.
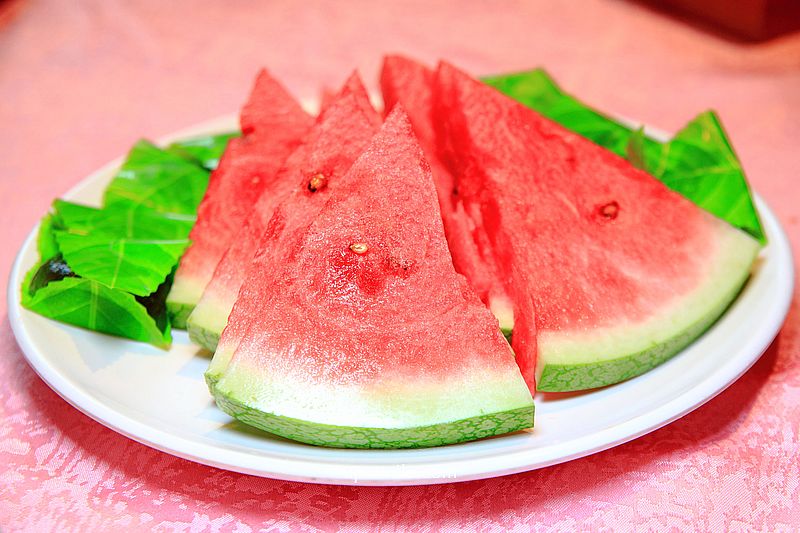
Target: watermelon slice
(410, 84)
(611, 272)
(272, 124)
(365, 335)
(341, 133)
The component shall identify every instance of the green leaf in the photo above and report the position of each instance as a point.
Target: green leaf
(45, 239)
(29, 285)
(698, 162)
(109, 269)
(205, 150)
(135, 266)
(158, 180)
(54, 269)
(635, 151)
(122, 220)
(92, 305)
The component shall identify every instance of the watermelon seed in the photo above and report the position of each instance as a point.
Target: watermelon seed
(317, 182)
(610, 210)
(359, 247)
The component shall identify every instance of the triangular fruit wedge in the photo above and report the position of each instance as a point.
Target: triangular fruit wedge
(341, 133)
(272, 123)
(365, 335)
(332, 146)
(410, 84)
(620, 271)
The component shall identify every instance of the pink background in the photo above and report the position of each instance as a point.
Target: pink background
(81, 80)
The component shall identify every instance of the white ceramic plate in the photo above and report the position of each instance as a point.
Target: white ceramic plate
(159, 398)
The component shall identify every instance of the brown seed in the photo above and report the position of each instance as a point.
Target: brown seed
(359, 247)
(317, 182)
(610, 210)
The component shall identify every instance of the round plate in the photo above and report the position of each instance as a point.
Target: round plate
(159, 397)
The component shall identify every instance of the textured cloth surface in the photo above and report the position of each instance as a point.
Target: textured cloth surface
(80, 81)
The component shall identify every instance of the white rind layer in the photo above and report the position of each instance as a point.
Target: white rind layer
(208, 319)
(386, 412)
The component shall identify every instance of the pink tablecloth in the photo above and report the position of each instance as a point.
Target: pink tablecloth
(81, 80)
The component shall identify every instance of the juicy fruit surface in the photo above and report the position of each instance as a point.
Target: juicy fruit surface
(326, 152)
(410, 84)
(601, 259)
(366, 336)
(272, 123)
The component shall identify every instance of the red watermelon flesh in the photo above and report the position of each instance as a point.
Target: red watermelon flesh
(410, 84)
(272, 123)
(365, 335)
(611, 272)
(341, 133)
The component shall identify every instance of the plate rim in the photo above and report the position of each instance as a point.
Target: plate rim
(429, 472)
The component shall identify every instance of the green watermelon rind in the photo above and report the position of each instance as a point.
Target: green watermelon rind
(207, 321)
(182, 299)
(563, 378)
(179, 313)
(451, 432)
(576, 368)
(518, 416)
(208, 338)
(216, 368)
